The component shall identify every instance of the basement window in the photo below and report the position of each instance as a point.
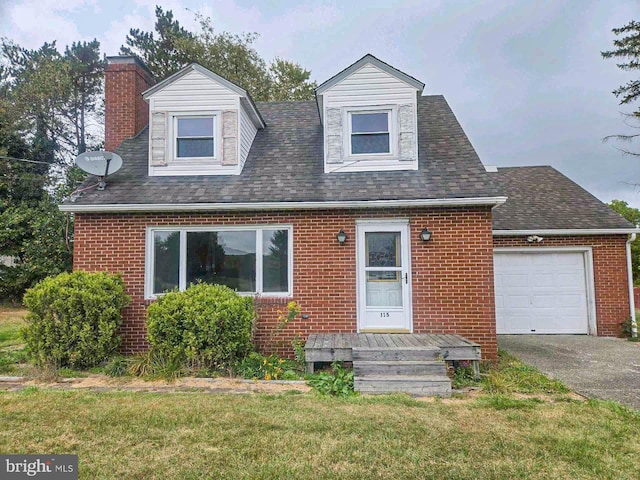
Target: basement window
(195, 137)
(369, 132)
(247, 259)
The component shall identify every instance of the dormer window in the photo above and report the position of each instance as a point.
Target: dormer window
(370, 132)
(195, 137)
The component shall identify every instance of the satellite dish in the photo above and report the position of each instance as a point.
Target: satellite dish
(99, 164)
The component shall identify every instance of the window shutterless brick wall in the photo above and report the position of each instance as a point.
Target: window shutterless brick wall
(610, 272)
(452, 275)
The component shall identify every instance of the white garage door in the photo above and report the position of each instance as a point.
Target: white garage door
(541, 292)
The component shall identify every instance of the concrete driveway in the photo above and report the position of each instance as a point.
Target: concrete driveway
(598, 367)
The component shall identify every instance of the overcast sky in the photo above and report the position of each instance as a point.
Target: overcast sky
(525, 78)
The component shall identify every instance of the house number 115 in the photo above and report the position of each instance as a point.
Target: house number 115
(384, 314)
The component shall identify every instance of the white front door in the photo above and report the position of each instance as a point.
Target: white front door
(384, 280)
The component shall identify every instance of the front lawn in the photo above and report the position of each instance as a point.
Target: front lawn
(520, 424)
(12, 353)
(11, 321)
(195, 436)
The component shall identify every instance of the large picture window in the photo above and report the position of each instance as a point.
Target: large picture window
(247, 259)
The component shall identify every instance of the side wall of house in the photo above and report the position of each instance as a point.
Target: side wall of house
(610, 272)
(452, 275)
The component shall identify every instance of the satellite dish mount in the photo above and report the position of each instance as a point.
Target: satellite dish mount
(100, 164)
(103, 184)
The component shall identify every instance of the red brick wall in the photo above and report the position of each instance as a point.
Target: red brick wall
(610, 271)
(126, 112)
(452, 274)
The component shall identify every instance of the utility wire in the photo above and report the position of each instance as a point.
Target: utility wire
(4, 157)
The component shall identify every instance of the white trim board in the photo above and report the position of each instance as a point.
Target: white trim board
(589, 274)
(567, 231)
(188, 207)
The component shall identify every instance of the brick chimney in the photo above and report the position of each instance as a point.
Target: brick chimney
(125, 111)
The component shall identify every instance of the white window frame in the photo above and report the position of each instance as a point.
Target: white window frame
(391, 121)
(182, 275)
(194, 161)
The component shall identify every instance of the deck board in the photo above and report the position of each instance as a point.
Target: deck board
(328, 347)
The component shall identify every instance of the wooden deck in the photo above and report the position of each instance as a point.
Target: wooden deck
(329, 347)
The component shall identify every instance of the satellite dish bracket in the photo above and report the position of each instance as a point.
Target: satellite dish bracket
(102, 185)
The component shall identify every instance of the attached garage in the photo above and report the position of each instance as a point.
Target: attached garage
(544, 291)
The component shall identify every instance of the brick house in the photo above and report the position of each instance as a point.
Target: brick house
(368, 206)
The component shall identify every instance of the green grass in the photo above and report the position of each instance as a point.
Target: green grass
(11, 321)
(510, 375)
(194, 436)
(11, 353)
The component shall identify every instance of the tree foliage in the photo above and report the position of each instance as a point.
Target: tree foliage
(233, 56)
(159, 50)
(633, 215)
(627, 53)
(47, 101)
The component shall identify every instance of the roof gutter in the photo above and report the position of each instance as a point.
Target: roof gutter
(632, 305)
(568, 231)
(203, 207)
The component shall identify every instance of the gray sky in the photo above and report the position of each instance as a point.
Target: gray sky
(525, 78)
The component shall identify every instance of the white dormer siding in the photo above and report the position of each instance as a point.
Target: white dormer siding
(369, 87)
(248, 132)
(212, 118)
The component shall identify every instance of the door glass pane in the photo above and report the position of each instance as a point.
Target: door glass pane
(275, 265)
(225, 258)
(384, 289)
(369, 122)
(166, 257)
(383, 249)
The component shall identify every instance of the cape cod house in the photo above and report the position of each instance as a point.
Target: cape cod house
(367, 205)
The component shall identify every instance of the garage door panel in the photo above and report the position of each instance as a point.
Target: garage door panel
(518, 301)
(516, 280)
(543, 301)
(519, 322)
(541, 292)
(543, 279)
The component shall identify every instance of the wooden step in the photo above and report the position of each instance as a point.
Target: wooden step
(362, 368)
(423, 385)
(396, 353)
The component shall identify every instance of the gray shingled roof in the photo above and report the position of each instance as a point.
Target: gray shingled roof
(542, 198)
(285, 164)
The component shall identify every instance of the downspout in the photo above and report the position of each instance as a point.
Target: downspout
(632, 306)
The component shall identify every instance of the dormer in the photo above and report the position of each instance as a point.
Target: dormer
(369, 117)
(199, 124)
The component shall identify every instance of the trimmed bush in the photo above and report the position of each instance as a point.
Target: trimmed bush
(73, 319)
(206, 325)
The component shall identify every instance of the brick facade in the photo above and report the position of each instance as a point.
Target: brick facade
(452, 275)
(126, 112)
(610, 272)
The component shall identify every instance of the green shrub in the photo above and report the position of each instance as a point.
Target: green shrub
(206, 325)
(338, 383)
(73, 319)
(258, 367)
